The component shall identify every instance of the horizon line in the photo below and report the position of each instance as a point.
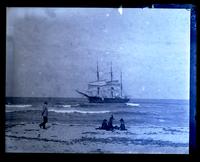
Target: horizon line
(86, 98)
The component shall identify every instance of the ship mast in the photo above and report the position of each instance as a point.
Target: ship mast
(111, 79)
(98, 78)
(121, 84)
(111, 73)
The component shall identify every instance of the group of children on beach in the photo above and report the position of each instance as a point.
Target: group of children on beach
(109, 125)
(105, 125)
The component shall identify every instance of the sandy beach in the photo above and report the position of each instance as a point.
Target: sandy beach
(69, 138)
(152, 128)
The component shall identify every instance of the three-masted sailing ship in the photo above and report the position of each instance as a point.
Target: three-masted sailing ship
(105, 91)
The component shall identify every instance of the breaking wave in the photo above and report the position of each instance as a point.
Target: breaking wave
(133, 104)
(67, 106)
(18, 106)
(78, 111)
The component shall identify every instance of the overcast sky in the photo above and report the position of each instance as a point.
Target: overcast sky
(51, 52)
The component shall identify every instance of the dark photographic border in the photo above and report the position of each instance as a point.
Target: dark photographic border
(181, 4)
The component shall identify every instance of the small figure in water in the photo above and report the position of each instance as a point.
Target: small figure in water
(110, 125)
(122, 125)
(44, 115)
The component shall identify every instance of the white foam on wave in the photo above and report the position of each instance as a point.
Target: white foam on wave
(78, 111)
(66, 106)
(18, 105)
(8, 111)
(133, 104)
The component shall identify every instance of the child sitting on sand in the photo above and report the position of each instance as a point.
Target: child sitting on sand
(104, 124)
(122, 125)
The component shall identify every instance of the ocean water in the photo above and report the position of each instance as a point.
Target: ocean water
(136, 112)
(170, 116)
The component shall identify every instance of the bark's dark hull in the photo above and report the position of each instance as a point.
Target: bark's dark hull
(95, 99)
(107, 100)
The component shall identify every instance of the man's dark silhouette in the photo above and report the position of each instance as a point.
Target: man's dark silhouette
(44, 115)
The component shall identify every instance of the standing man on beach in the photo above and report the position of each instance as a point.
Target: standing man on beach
(44, 115)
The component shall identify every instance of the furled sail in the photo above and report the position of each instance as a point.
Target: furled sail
(95, 84)
(113, 83)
